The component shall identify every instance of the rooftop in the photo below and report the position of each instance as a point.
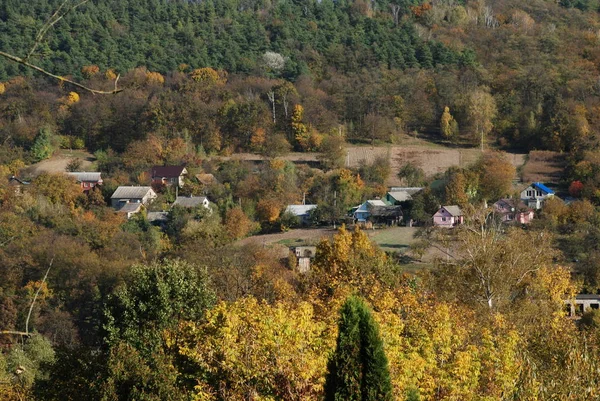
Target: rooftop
(124, 192)
(86, 176)
(454, 210)
(189, 201)
(542, 187)
(130, 208)
(300, 210)
(168, 171)
(403, 194)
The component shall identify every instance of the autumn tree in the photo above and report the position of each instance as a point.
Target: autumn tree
(481, 110)
(333, 152)
(358, 369)
(491, 266)
(247, 347)
(448, 125)
(456, 190)
(237, 224)
(496, 175)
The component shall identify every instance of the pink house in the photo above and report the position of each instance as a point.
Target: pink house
(512, 210)
(448, 216)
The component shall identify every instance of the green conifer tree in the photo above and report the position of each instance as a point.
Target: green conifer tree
(358, 370)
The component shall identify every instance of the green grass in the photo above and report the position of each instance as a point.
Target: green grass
(294, 242)
(395, 239)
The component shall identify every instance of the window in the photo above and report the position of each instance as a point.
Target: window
(529, 193)
(443, 218)
(539, 193)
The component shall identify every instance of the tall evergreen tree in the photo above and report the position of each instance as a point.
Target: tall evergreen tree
(358, 370)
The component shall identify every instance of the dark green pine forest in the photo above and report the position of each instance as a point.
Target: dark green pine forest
(229, 35)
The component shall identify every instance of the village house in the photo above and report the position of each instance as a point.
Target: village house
(168, 175)
(17, 184)
(536, 194)
(581, 304)
(302, 212)
(129, 209)
(304, 255)
(513, 211)
(87, 180)
(124, 195)
(397, 195)
(192, 202)
(448, 216)
(362, 212)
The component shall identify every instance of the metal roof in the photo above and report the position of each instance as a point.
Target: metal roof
(299, 210)
(542, 187)
(453, 210)
(376, 202)
(157, 216)
(86, 176)
(587, 296)
(130, 208)
(132, 192)
(403, 194)
(189, 201)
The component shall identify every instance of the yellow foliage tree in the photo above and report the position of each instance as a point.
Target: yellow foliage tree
(155, 78)
(208, 75)
(110, 74)
(252, 349)
(89, 71)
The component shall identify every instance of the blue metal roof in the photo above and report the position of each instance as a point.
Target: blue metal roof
(542, 187)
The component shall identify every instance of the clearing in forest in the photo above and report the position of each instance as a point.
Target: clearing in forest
(544, 166)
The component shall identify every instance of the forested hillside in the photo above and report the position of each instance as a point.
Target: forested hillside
(231, 35)
(167, 300)
(520, 74)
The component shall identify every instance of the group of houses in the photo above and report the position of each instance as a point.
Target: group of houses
(389, 210)
(520, 211)
(130, 200)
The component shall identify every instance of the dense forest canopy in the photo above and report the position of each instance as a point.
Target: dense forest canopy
(231, 35)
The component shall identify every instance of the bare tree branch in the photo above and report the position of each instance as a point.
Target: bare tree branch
(62, 79)
(18, 333)
(54, 18)
(36, 295)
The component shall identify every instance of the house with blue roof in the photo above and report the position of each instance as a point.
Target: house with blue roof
(536, 194)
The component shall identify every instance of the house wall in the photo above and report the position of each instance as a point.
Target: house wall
(534, 197)
(443, 219)
(87, 185)
(361, 216)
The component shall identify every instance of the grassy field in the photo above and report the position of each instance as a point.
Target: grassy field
(395, 239)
